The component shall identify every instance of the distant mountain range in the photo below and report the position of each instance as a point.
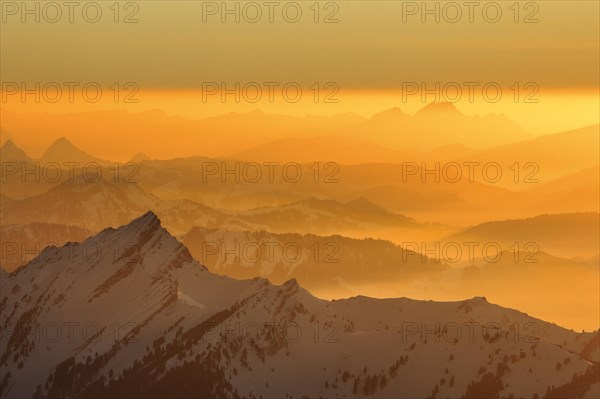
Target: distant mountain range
(24, 176)
(554, 173)
(94, 204)
(10, 152)
(59, 152)
(143, 318)
(562, 234)
(335, 266)
(436, 125)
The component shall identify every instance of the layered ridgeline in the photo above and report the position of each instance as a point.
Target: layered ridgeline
(114, 203)
(525, 277)
(329, 266)
(130, 313)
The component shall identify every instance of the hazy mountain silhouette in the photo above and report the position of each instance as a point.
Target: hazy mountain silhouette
(144, 131)
(10, 152)
(325, 216)
(383, 183)
(139, 157)
(588, 178)
(341, 149)
(332, 266)
(102, 202)
(565, 235)
(62, 150)
(4, 136)
(60, 162)
(94, 204)
(438, 109)
(555, 155)
(531, 278)
(437, 125)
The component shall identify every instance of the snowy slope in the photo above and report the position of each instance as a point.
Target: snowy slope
(129, 312)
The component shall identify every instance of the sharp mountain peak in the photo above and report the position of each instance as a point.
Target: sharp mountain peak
(443, 107)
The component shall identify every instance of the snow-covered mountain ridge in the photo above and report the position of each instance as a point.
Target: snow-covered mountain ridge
(129, 313)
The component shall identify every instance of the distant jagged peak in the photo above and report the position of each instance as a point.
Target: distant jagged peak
(62, 141)
(148, 219)
(391, 113)
(9, 144)
(61, 144)
(143, 227)
(439, 108)
(291, 283)
(129, 243)
(63, 150)
(256, 112)
(11, 152)
(139, 230)
(139, 157)
(479, 299)
(4, 135)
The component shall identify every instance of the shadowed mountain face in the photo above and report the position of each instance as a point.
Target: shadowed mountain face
(141, 317)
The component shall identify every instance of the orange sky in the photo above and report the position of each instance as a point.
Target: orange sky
(357, 44)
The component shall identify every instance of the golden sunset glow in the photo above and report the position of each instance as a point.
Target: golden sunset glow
(334, 199)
